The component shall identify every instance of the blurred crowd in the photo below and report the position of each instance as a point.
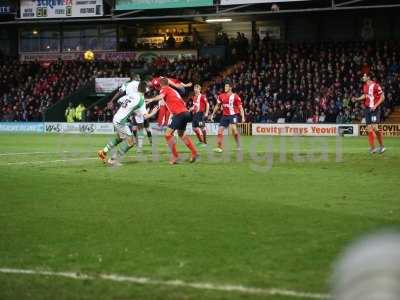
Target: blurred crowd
(311, 83)
(277, 82)
(27, 89)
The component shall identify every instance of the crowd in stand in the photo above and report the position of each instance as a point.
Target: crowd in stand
(312, 83)
(27, 89)
(277, 82)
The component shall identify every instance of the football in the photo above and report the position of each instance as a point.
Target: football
(88, 55)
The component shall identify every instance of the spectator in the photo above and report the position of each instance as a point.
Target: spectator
(70, 113)
(80, 112)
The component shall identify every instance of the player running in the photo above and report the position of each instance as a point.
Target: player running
(200, 110)
(180, 118)
(163, 114)
(131, 103)
(232, 107)
(373, 97)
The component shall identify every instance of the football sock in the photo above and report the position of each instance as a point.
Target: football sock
(220, 139)
(188, 142)
(371, 139)
(112, 143)
(123, 148)
(380, 137)
(140, 138)
(171, 144)
(150, 136)
(199, 135)
(204, 135)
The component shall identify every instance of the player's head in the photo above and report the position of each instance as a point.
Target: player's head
(228, 87)
(197, 88)
(135, 76)
(365, 78)
(163, 82)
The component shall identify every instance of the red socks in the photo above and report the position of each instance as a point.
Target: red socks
(380, 138)
(199, 135)
(204, 135)
(371, 139)
(220, 139)
(188, 142)
(171, 144)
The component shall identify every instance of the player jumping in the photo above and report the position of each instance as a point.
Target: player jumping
(232, 107)
(200, 110)
(163, 114)
(373, 97)
(180, 118)
(131, 103)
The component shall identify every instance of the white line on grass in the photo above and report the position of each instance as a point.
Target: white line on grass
(175, 283)
(38, 162)
(33, 153)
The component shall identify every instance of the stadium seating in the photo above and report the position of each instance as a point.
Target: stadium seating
(312, 83)
(277, 82)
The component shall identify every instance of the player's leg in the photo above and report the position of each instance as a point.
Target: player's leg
(181, 122)
(139, 119)
(128, 143)
(371, 139)
(371, 132)
(196, 128)
(148, 131)
(117, 139)
(204, 131)
(224, 123)
(378, 131)
(235, 131)
(170, 139)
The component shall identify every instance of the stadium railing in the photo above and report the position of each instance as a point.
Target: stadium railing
(245, 128)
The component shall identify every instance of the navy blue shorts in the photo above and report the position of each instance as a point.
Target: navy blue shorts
(228, 120)
(373, 117)
(198, 120)
(180, 121)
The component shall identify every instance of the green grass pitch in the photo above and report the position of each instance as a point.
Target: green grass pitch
(262, 221)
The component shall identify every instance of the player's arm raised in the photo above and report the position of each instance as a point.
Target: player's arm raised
(179, 85)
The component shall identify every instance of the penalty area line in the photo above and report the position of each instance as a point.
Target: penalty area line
(174, 283)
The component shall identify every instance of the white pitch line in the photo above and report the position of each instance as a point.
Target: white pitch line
(38, 162)
(32, 153)
(176, 283)
(39, 152)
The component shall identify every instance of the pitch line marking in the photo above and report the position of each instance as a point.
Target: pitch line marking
(175, 283)
(32, 153)
(38, 162)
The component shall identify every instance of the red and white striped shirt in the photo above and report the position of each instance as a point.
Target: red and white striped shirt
(230, 103)
(373, 94)
(199, 103)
